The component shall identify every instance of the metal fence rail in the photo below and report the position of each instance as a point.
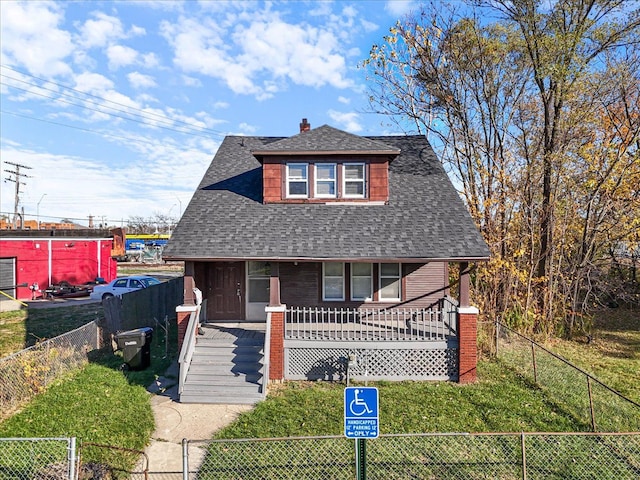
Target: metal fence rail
(30, 371)
(580, 393)
(437, 455)
(368, 324)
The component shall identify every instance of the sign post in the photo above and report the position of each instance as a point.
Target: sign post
(361, 416)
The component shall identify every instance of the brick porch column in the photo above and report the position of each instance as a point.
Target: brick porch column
(183, 312)
(467, 344)
(275, 317)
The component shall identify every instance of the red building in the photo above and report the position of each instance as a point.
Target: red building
(29, 257)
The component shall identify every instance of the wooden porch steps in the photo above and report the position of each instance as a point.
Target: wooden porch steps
(225, 369)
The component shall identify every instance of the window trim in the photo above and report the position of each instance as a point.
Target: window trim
(324, 278)
(261, 277)
(290, 179)
(363, 181)
(370, 276)
(398, 278)
(318, 180)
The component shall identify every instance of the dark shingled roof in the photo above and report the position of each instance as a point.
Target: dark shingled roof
(425, 218)
(326, 139)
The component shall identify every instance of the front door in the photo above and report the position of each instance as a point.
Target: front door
(225, 291)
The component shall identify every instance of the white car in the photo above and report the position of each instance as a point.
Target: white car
(122, 285)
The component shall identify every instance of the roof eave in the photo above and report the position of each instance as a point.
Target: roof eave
(326, 259)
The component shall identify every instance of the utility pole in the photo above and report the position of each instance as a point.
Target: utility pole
(17, 180)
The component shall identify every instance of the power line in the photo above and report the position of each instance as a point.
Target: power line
(129, 109)
(109, 113)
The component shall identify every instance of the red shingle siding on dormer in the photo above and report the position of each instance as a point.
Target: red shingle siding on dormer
(274, 185)
(379, 181)
(272, 181)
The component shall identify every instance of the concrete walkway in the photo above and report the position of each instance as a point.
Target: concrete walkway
(176, 421)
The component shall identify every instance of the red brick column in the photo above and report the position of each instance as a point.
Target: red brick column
(275, 315)
(467, 344)
(183, 313)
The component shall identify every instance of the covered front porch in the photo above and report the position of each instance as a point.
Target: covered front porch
(418, 338)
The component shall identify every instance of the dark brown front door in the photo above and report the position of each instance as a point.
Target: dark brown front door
(225, 291)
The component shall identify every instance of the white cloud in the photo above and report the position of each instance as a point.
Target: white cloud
(344, 100)
(349, 121)
(258, 57)
(121, 56)
(138, 80)
(150, 60)
(191, 81)
(368, 26)
(246, 128)
(93, 83)
(137, 31)
(100, 31)
(31, 37)
(400, 7)
(221, 105)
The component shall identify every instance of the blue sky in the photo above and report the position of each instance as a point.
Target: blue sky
(119, 106)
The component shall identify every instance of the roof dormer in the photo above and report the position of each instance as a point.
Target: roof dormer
(325, 165)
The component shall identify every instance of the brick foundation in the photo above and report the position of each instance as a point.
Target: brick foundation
(468, 344)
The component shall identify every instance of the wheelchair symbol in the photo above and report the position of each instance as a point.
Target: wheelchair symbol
(358, 406)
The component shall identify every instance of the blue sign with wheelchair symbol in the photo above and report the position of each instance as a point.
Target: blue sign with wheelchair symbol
(361, 412)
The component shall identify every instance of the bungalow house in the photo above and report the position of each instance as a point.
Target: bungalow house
(334, 250)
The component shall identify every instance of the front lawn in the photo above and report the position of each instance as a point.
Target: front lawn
(501, 401)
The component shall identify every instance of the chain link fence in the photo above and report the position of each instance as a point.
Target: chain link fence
(425, 456)
(532, 456)
(30, 371)
(37, 458)
(576, 391)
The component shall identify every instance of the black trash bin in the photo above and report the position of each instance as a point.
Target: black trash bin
(136, 348)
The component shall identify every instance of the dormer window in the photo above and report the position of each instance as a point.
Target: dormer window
(325, 166)
(320, 180)
(297, 180)
(326, 180)
(354, 180)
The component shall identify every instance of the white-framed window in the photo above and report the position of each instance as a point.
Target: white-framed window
(390, 282)
(353, 180)
(259, 274)
(333, 281)
(361, 281)
(297, 180)
(325, 175)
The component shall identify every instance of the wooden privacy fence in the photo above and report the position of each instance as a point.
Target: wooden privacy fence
(143, 307)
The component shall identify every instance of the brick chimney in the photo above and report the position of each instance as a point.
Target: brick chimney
(304, 126)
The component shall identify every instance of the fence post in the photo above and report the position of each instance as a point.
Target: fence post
(185, 459)
(593, 416)
(72, 458)
(535, 367)
(361, 459)
(524, 457)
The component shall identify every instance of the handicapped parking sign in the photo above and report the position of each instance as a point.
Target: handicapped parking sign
(361, 412)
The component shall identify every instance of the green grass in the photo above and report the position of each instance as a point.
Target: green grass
(500, 402)
(98, 404)
(20, 329)
(613, 355)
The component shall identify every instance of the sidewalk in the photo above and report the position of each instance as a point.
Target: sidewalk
(175, 421)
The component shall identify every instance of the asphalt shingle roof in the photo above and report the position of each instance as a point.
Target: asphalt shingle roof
(327, 139)
(425, 218)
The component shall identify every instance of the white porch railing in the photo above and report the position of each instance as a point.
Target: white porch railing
(369, 324)
(189, 344)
